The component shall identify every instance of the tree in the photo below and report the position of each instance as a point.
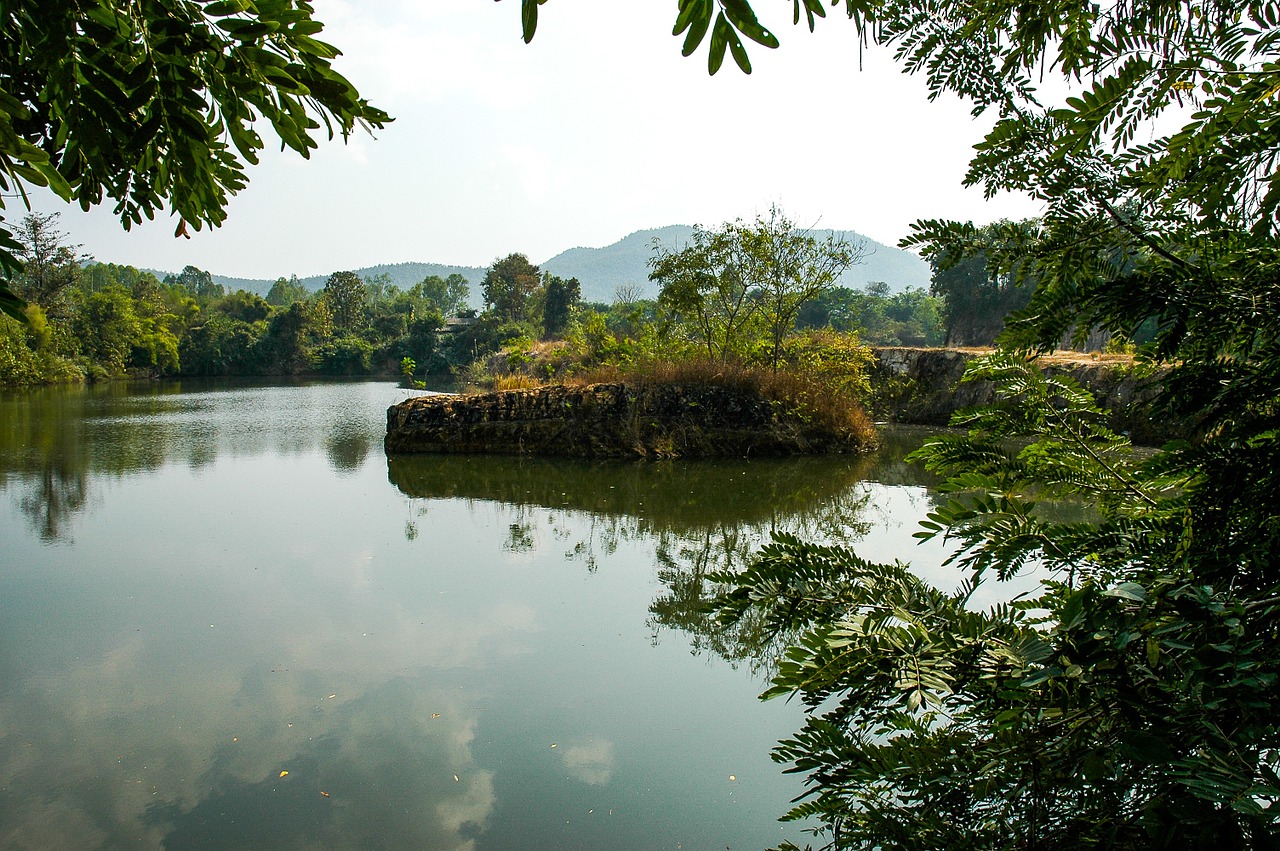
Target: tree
(285, 292)
(48, 264)
(508, 285)
(345, 294)
(159, 104)
(703, 284)
(786, 267)
(245, 306)
(446, 295)
(557, 306)
(978, 298)
(198, 283)
(1133, 702)
(108, 328)
(740, 276)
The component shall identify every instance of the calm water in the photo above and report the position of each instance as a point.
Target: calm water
(227, 620)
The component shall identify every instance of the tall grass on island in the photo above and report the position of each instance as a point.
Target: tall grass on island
(808, 397)
(822, 379)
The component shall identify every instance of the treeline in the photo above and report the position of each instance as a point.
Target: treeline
(90, 321)
(101, 321)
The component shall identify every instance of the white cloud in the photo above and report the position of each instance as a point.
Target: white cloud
(592, 761)
(596, 129)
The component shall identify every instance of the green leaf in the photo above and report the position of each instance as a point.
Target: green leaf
(744, 18)
(529, 18)
(10, 303)
(720, 35)
(222, 8)
(739, 53)
(1128, 591)
(698, 26)
(1144, 747)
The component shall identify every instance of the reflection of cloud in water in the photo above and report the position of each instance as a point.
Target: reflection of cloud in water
(144, 754)
(388, 769)
(592, 762)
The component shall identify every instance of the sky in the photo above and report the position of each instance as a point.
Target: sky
(597, 129)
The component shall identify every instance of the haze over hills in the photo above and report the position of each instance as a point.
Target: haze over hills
(602, 270)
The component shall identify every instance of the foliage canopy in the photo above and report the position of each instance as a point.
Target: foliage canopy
(159, 103)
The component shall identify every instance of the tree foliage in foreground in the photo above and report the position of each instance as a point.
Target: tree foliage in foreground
(1130, 704)
(1133, 702)
(159, 104)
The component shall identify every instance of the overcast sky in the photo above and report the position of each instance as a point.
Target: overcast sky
(597, 129)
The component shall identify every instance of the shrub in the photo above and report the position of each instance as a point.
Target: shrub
(344, 356)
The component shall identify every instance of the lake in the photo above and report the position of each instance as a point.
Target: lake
(228, 620)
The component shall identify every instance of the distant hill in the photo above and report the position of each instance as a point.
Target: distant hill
(405, 275)
(602, 270)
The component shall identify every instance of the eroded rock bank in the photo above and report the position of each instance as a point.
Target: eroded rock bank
(614, 421)
(922, 387)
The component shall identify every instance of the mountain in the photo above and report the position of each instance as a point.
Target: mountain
(602, 270)
(405, 275)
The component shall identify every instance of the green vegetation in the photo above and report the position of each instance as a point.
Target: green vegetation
(95, 321)
(731, 304)
(740, 282)
(770, 301)
(1133, 702)
(158, 104)
(104, 321)
(912, 317)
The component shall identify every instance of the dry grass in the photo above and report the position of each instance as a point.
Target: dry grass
(516, 381)
(810, 398)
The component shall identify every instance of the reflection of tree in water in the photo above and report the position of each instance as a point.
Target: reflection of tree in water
(52, 497)
(699, 517)
(347, 445)
(56, 442)
(519, 538)
(687, 561)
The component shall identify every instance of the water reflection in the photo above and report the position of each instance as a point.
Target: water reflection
(58, 444)
(462, 659)
(662, 495)
(699, 517)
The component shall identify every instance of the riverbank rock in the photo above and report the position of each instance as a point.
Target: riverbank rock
(922, 386)
(613, 421)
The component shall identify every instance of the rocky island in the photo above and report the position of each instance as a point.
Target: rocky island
(628, 420)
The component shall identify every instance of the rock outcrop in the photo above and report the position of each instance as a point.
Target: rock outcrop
(613, 421)
(922, 386)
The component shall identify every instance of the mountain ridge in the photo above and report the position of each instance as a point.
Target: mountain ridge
(602, 270)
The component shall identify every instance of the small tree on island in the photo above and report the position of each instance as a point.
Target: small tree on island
(560, 296)
(744, 283)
